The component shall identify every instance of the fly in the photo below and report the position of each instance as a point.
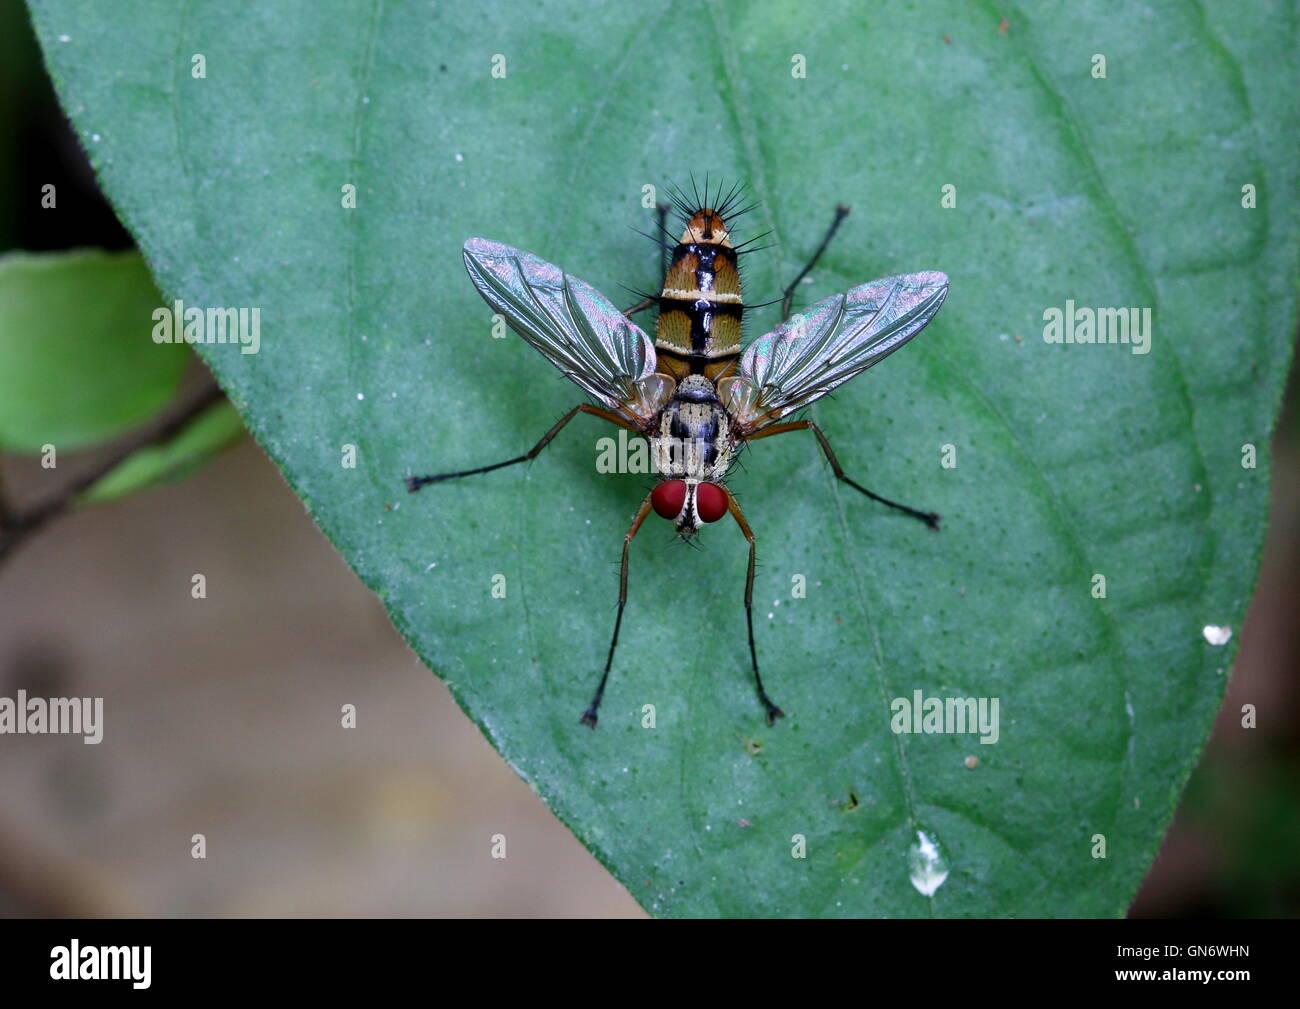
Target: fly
(692, 392)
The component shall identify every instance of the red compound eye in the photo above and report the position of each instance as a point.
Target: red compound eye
(667, 498)
(710, 501)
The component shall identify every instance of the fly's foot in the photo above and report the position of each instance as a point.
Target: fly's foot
(773, 712)
(589, 718)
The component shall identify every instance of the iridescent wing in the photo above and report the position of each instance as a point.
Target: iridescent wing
(572, 324)
(823, 347)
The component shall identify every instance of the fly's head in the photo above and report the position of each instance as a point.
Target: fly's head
(688, 504)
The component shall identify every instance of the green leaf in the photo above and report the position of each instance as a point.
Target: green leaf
(77, 361)
(210, 432)
(1071, 460)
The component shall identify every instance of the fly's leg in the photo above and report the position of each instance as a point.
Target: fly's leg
(841, 212)
(929, 518)
(414, 483)
(661, 212)
(589, 716)
(773, 712)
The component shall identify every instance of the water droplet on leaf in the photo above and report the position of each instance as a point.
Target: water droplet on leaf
(926, 864)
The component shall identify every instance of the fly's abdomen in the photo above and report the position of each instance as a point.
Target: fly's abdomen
(700, 307)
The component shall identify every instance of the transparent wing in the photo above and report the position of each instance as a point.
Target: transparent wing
(823, 347)
(570, 322)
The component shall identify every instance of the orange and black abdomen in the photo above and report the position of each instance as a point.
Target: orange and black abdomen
(700, 307)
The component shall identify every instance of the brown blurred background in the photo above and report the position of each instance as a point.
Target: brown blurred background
(223, 718)
(224, 713)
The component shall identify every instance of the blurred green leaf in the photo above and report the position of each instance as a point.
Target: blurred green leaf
(1072, 461)
(78, 363)
(206, 435)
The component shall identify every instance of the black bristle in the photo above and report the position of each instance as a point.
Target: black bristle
(756, 238)
(726, 203)
(745, 210)
(662, 245)
(640, 295)
(680, 203)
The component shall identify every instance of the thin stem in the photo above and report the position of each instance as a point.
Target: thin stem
(17, 526)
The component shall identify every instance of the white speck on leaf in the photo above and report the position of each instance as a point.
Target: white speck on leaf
(1216, 635)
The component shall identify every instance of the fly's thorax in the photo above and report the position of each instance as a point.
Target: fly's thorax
(700, 306)
(692, 439)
